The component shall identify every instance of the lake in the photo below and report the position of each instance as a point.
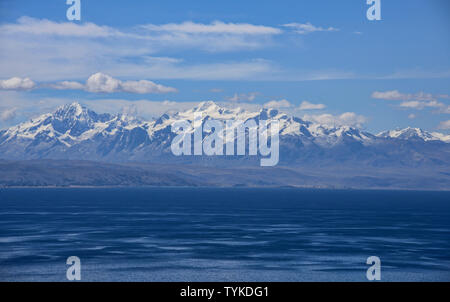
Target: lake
(213, 234)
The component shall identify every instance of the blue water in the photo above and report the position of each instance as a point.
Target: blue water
(181, 234)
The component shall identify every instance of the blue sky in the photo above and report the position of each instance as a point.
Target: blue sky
(153, 56)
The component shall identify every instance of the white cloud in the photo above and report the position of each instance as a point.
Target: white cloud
(445, 125)
(395, 95)
(278, 104)
(144, 86)
(67, 85)
(7, 114)
(17, 83)
(217, 36)
(243, 97)
(305, 105)
(45, 50)
(130, 110)
(34, 27)
(421, 104)
(103, 83)
(418, 101)
(412, 116)
(216, 27)
(100, 82)
(345, 119)
(97, 82)
(306, 28)
(56, 51)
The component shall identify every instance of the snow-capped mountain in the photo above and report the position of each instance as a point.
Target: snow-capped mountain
(414, 134)
(75, 132)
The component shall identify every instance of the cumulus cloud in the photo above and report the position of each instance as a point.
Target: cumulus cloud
(7, 114)
(305, 105)
(445, 125)
(278, 104)
(17, 83)
(307, 28)
(345, 119)
(243, 97)
(97, 82)
(103, 83)
(100, 82)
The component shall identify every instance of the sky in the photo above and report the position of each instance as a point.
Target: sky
(321, 60)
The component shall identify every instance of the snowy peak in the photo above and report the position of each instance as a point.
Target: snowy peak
(66, 125)
(211, 110)
(70, 111)
(207, 106)
(77, 112)
(73, 124)
(289, 125)
(74, 119)
(414, 134)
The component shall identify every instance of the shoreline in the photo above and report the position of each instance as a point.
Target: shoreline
(395, 189)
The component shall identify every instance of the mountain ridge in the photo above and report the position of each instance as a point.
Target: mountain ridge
(75, 132)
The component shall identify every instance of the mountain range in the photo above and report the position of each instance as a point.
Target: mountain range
(73, 133)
